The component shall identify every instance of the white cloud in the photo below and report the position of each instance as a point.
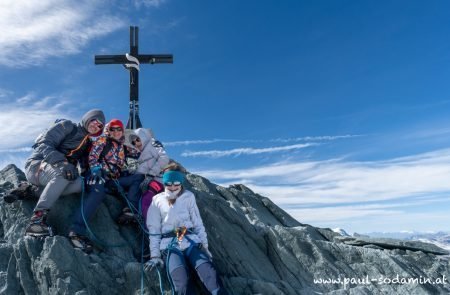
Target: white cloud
(245, 151)
(35, 31)
(316, 138)
(17, 150)
(342, 182)
(337, 191)
(4, 93)
(284, 140)
(206, 141)
(23, 118)
(149, 3)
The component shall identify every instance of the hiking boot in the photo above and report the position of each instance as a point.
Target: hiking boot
(127, 217)
(81, 242)
(24, 191)
(38, 226)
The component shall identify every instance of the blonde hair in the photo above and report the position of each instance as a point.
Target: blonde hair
(174, 166)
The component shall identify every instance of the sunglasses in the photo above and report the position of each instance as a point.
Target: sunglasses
(133, 142)
(175, 183)
(98, 123)
(112, 129)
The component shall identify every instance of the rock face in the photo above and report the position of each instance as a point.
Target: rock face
(257, 249)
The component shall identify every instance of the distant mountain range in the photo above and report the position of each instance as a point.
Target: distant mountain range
(440, 239)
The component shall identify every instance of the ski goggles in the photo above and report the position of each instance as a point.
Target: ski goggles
(174, 183)
(112, 129)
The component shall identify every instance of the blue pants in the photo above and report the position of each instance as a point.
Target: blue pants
(131, 183)
(95, 195)
(178, 266)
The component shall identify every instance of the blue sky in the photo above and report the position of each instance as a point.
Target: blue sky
(336, 110)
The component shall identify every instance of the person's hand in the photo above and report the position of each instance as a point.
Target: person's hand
(96, 176)
(68, 171)
(204, 248)
(152, 263)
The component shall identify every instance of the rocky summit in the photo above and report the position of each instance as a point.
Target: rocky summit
(257, 248)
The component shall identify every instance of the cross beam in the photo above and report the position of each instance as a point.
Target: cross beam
(131, 61)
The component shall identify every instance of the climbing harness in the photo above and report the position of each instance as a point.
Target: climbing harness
(177, 235)
(180, 234)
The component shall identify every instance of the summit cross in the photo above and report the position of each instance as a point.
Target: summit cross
(131, 61)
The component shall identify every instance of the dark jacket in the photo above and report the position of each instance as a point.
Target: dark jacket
(60, 139)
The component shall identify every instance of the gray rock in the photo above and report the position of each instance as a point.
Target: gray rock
(257, 249)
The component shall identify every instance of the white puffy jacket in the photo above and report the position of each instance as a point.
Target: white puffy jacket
(163, 218)
(152, 159)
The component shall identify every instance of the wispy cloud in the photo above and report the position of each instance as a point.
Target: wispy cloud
(245, 151)
(284, 140)
(206, 141)
(17, 150)
(149, 3)
(4, 93)
(35, 31)
(316, 138)
(23, 118)
(351, 189)
(342, 181)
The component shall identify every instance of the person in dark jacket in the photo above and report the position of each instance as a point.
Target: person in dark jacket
(53, 165)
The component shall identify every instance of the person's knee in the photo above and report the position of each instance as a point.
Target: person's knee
(59, 179)
(96, 188)
(30, 174)
(208, 276)
(137, 179)
(180, 279)
(74, 187)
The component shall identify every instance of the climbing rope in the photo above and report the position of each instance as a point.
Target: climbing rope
(90, 232)
(141, 226)
(135, 210)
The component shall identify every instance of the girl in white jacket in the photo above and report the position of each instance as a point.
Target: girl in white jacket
(152, 160)
(153, 157)
(177, 234)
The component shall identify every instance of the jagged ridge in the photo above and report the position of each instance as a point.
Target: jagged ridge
(257, 248)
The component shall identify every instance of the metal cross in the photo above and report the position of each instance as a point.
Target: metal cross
(131, 61)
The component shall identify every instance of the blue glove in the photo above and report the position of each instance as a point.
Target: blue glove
(96, 176)
(152, 263)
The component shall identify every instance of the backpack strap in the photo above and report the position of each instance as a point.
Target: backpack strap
(106, 149)
(82, 144)
(108, 146)
(155, 186)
